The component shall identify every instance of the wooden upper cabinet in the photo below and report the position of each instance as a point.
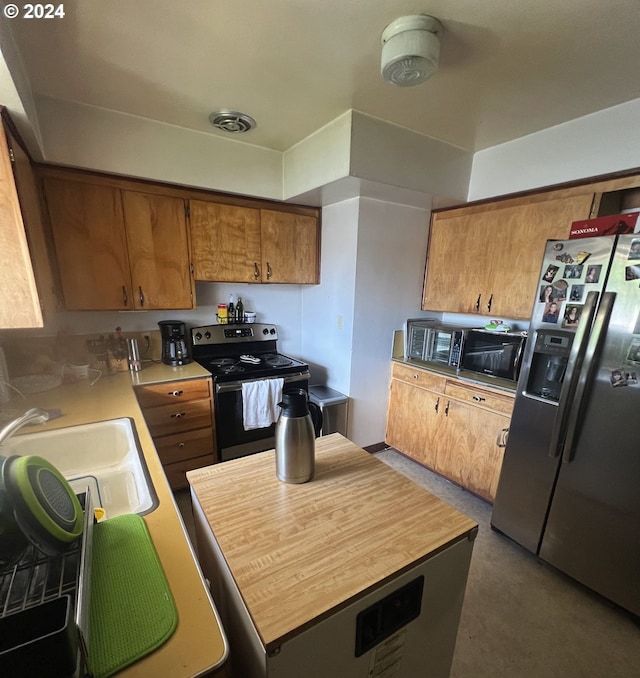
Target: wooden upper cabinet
(225, 241)
(37, 238)
(158, 249)
(486, 259)
(289, 247)
(118, 249)
(19, 301)
(242, 244)
(87, 224)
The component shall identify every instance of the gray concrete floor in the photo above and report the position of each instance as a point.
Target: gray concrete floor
(520, 618)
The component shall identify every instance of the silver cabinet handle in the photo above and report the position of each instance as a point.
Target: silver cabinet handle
(256, 270)
(141, 293)
(415, 376)
(175, 393)
(268, 270)
(479, 399)
(501, 440)
(477, 306)
(177, 415)
(446, 409)
(181, 445)
(437, 405)
(489, 303)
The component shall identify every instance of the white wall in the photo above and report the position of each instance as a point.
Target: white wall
(392, 248)
(327, 341)
(373, 256)
(604, 142)
(278, 304)
(395, 156)
(318, 160)
(94, 138)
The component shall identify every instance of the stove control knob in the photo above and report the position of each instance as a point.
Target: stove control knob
(272, 330)
(265, 331)
(198, 336)
(207, 335)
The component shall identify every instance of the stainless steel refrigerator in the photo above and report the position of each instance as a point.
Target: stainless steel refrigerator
(569, 490)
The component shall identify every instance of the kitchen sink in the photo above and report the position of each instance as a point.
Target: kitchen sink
(105, 455)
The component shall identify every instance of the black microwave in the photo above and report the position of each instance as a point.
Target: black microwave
(496, 354)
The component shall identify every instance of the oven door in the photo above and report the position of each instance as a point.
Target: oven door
(232, 439)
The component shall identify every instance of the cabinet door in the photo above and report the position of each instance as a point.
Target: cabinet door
(225, 241)
(19, 302)
(413, 421)
(488, 261)
(522, 233)
(456, 266)
(158, 248)
(88, 232)
(289, 248)
(471, 447)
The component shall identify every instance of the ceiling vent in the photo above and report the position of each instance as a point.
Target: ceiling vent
(232, 121)
(410, 50)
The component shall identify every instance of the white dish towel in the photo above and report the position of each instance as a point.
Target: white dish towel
(260, 402)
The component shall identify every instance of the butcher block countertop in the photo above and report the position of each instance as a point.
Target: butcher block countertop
(198, 645)
(300, 552)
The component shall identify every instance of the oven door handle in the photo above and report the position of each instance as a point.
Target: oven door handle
(228, 386)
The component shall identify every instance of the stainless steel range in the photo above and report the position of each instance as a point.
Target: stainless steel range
(237, 354)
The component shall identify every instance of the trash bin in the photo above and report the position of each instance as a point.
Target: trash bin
(333, 406)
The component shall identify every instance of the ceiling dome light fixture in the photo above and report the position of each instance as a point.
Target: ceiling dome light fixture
(410, 50)
(232, 121)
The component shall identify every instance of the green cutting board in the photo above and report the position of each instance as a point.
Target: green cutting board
(132, 609)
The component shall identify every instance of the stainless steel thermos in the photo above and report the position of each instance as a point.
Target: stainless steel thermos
(295, 439)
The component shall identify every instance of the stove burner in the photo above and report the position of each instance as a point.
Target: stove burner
(222, 362)
(277, 360)
(226, 366)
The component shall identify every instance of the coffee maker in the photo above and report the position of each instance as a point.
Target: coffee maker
(174, 344)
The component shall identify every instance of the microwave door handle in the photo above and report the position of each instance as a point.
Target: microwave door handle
(517, 361)
(428, 344)
(572, 373)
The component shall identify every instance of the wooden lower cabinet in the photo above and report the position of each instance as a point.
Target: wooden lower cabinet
(459, 430)
(471, 447)
(179, 415)
(413, 428)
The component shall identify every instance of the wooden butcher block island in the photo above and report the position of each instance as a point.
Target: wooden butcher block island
(359, 572)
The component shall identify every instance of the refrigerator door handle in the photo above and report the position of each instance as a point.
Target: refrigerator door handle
(587, 374)
(572, 374)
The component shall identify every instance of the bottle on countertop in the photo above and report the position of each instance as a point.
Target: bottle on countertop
(222, 314)
(239, 311)
(231, 310)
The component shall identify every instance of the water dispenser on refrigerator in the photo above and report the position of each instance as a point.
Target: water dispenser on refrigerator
(548, 364)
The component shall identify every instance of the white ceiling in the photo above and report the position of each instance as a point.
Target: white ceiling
(507, 67)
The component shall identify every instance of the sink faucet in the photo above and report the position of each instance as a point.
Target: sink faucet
(35, 415)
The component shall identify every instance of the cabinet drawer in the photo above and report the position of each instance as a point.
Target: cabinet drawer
(503, 404)
(173, 392)
(183, 446)
(418, 377)
(177, 417)
(177, 473)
